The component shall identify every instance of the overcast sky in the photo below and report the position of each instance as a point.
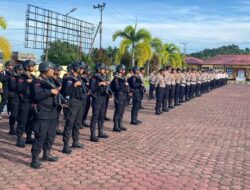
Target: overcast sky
(203, 24)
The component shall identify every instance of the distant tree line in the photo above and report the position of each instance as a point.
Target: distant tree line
(224, 50)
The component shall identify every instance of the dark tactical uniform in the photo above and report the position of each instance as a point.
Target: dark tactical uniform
(85, 80)
(24, 123)
(15, 98)
(5, 76)
(119, 87)
(108, 96)
(45, 119)
(135, 84)
(58, 82)
(99, 97)
(76, 95)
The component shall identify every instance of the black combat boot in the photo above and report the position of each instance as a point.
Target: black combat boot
(66, 149)
(102, 134)
(48, 157)
(116, 127)
(29, 139)
(76, 144)
(93, 136)
(20, 142)
(36, 163)
(12, 130)
(121, 126)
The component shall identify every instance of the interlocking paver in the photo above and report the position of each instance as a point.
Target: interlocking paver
(203, 144)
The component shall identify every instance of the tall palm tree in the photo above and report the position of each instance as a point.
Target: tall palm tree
(174, 58)
(160, 51)
(131, 38)
(4, 44)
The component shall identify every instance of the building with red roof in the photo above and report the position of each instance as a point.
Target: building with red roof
(237, 66)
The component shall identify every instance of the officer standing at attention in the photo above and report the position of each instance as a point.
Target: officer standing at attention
(183, 86)
(98, 87)
(108, 95)
(172, 89)
(4, 79)
(136, 86)
(152, 79)
(24, 123)
(18, 69)
(160, 90)
(142, 77)
(119, 86)
(167, 79)
(58, 81)
(73, 92)
(43, 95)
(177, 87)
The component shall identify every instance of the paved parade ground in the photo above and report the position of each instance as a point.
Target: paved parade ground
(203, 144)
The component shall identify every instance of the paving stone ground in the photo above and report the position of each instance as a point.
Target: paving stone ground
(203, 144)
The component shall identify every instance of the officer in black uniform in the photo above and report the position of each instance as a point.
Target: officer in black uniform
(75, 93)
(24, 123)
(98, 87)
(45, 97)
(18, 69)
(4, 79)
(119, 86)
(85, 79)
(108, 69)
(58, 82)
(136, 86)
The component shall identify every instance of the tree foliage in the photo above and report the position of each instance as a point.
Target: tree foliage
(5, 46)
(224, 50)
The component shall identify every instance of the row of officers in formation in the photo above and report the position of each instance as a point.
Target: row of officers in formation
(36, 103)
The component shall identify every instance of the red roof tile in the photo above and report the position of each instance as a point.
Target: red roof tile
(193, 60)
(228, 60)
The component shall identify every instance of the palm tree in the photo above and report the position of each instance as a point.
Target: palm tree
(174, 58)
(160, 51)
(132, 38)
(4, 44)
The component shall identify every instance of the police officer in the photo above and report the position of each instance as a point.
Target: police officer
(58, 82)
(75, 94)
(86, 79)
(136, 85)
(108, 69)
(160, 90)
(4, 79)
(98, 87)
(188, 86)
(44, 97)
(183, 86)
(177, 87)
(172, 88)
(119, 86)
(24, 123)
(18, 69)
(167, 79)
(152, 79)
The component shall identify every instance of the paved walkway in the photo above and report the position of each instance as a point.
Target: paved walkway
(203, 144)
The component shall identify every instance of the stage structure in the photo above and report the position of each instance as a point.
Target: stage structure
(44, 27)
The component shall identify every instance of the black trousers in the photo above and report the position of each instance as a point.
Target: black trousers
(14, 110)
(107, 105)
(120, 104)
(177, 94)
(24, 122)
(45, 133)
(171, 95)
(151, 91)
(86, 111)
(73, 120)
(198, 90)
(165, 101)
(187, 93)
(98, 113)
(159, 99)
(136, 105)
(5, 100)
(192, 91)
(182, 93)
